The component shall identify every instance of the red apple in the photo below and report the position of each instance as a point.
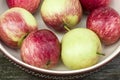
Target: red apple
(105, 21)
(60, 13)
(30, 5)
(90, 5)
(41, 48)
(15, 24)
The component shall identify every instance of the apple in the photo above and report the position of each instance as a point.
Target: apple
(59, 13)
(30, 5)
(80, 48)
(90, 5)
(105, 21)
(41, 48)
(15, 24)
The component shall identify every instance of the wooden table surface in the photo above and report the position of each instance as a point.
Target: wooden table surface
(8, 71)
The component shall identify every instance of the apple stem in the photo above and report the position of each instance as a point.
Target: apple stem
(101, 54)
(21, 39)
(68, 29)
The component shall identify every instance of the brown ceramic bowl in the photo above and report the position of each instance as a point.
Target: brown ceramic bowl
(60, 72)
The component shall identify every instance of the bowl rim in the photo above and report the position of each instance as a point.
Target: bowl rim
(58, 72)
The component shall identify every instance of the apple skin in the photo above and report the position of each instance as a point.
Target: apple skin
(90, 5)
(41, 48)
(30, 5)
(15, 24)
(79, 48)
(59, 13)
(105, 21)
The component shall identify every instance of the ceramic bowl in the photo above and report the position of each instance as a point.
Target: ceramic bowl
(60, 72)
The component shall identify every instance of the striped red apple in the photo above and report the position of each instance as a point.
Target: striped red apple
(105, 21)
(30, 5)
(15, 24)
(60, 13)
(41, 48)
(90, 5)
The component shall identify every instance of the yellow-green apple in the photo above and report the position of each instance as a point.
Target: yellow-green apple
(59, 13)
(105, 21)
(30, 5)
(15, 24)
(80, 48)
(90, 5)
(41, 48)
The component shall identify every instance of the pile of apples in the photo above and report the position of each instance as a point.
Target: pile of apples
(79, 47)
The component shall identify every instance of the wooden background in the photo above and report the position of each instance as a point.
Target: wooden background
(8, 71)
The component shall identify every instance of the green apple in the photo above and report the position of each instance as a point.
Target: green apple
(80, 48)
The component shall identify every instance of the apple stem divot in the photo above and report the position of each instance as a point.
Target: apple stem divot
(21, 39)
